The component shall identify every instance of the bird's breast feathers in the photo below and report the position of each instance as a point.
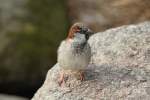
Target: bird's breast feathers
(72, 58)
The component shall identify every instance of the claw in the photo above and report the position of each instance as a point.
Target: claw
(62, 78)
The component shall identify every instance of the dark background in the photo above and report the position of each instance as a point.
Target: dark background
(31, 30)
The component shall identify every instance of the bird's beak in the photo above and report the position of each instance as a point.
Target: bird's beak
(90, 32)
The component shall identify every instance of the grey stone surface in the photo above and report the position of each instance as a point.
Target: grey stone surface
(119, 69)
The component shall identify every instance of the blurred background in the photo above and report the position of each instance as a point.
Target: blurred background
(31, 30)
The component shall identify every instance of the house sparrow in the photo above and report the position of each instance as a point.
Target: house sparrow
(74, 52)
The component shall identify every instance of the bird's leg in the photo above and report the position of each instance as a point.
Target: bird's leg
(61, 80)
(82, 77)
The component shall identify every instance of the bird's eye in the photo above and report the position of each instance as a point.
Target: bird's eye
(85, 29)
(79, 28)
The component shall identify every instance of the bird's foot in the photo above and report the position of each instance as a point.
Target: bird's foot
(62, 79)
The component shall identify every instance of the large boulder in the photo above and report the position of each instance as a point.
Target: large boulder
(119, 69)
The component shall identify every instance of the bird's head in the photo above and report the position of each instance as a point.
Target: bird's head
(79, 30)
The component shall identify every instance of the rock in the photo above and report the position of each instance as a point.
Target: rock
(105, 14)
(10, 97)
(119, 69)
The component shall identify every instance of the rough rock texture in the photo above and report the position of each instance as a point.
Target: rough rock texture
(104, 14)
(119, 69)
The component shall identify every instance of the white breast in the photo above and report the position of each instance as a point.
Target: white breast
(69, 60)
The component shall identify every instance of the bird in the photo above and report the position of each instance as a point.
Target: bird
(74, 53)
